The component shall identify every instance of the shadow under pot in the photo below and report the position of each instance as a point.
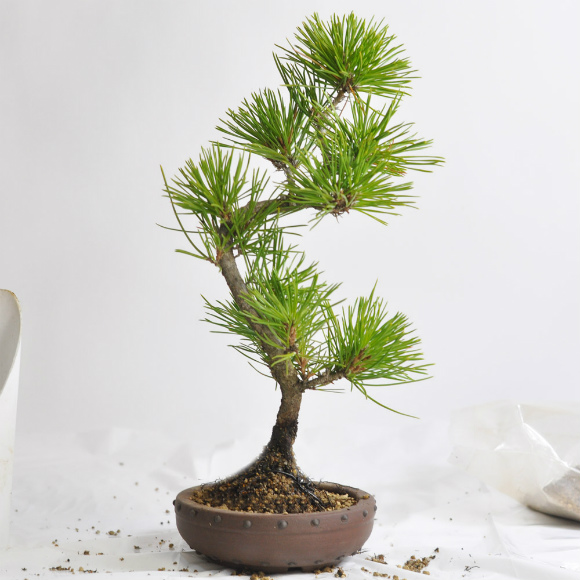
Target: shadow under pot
(277, 542)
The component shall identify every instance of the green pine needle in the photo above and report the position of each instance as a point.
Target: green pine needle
(267, 126)
(350, 55)
(373, 349)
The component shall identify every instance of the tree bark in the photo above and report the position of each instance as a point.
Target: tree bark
(279, 454)
(238, 288)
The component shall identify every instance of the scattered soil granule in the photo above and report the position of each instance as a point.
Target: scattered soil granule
(380, 559)
(260, 576)
(376, 574)
(415, 564)
(326, 570)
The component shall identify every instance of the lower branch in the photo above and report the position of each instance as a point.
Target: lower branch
(324, 379)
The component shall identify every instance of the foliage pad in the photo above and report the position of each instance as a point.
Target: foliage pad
(329, 135)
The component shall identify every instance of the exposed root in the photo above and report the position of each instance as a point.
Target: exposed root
(272, 484)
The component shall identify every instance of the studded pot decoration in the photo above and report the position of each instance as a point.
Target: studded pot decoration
(276, 542)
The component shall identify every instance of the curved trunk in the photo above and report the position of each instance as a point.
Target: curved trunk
(278, 455)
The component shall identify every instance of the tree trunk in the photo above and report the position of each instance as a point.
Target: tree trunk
(278, 454)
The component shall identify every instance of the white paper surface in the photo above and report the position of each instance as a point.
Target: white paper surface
(69, 492)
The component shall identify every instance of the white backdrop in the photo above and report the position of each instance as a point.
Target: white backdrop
(95, 95)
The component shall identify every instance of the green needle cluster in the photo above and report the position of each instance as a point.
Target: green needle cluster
(223, 197)
(350, 55)
(373, 349)
(267, 126)
(331, 139)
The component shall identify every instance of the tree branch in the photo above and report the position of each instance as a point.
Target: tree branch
(281, 166)
(281, 202)
(238, 289)
(322, 380)
(339, 97)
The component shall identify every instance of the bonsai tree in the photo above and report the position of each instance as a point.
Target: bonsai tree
(333, 146)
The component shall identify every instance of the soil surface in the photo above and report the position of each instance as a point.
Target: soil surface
(265, 491)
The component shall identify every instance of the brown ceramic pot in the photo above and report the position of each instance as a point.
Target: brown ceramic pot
(275, 542)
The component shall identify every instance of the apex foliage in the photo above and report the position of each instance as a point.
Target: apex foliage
(329, 134)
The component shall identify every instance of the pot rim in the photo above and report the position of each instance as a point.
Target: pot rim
(361, 496)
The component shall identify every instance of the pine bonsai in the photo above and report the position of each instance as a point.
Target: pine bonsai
(330, 137)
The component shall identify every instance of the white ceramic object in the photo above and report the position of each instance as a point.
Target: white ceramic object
(9, 375)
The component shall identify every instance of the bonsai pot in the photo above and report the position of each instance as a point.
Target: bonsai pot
(276, 542)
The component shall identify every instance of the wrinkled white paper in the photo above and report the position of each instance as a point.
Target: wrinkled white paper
(71, 491)
(531, 453)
